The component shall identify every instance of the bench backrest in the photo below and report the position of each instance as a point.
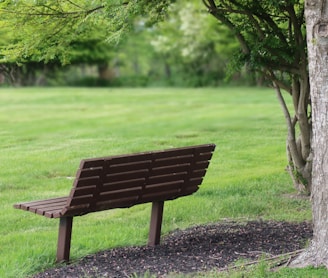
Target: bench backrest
(126, 180)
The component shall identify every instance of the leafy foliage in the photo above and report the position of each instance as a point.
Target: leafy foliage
(48, 29)
(268, 31)
(199, 48)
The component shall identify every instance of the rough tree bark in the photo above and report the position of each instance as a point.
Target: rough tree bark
(316, 13)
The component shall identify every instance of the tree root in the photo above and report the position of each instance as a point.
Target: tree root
(275, 262)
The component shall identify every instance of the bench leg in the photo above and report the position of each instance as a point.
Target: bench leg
(64, 239)
(155, 223)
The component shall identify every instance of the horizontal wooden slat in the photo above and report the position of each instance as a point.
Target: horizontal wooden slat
(82, 191)
(132, 175)
(205, 156)
(82, 200)
(118, 194)
(175, 168)
(93, 172)
(46, 207)
(92, 163)
(50, 207)
(172, 161)
(27, 205)
(126, 167)
(53, 214)
(174, 152)
(167, 178)
(205, 148)
(123, 184)
(123, 159)
(195, 181)
(85, 182)
(49, 211)
(163, 187)
(198, 173)
(77, 210)
(202, 164)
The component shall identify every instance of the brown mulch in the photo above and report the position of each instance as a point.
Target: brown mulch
(197, 249)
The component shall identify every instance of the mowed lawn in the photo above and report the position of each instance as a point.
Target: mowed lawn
(45, 132)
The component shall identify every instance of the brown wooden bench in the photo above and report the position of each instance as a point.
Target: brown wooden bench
(123, 181)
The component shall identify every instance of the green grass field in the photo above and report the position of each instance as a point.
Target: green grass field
(47, 131)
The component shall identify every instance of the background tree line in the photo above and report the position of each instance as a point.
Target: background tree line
(180, 51)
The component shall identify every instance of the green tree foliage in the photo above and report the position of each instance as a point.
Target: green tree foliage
(52, 34)
(95, 33)
(47, 28)
(198, 48)
(270, 33)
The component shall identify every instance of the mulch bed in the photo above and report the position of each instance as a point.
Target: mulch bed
(197, 249)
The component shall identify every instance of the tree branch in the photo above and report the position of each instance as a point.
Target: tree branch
(297, 159)
(215, 11)
(56, 13)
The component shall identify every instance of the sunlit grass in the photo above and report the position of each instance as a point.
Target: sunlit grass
(46, 132)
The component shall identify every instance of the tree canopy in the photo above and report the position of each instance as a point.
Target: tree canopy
(47, 28)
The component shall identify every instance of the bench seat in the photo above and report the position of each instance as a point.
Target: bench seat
(50, 208)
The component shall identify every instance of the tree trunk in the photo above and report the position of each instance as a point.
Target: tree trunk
(298, 147)
(316, 12)
(105, 72)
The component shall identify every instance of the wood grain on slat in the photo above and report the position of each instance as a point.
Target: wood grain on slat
(198, 173)
(91, 181)
(131, 175)
(123, 159)
(91, 163)
(46, 207)
(168, 178)
(205, 156)
(124, 193)
(27, 205)
(76, 210)
(81, 200)
(123, 184)
(126, 167)
(172, 161)
(163, 187)
(81, 191)
(90, 172)
(157, 171)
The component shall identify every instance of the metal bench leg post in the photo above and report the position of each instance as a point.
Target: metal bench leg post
(64, 239)
(155, 223)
